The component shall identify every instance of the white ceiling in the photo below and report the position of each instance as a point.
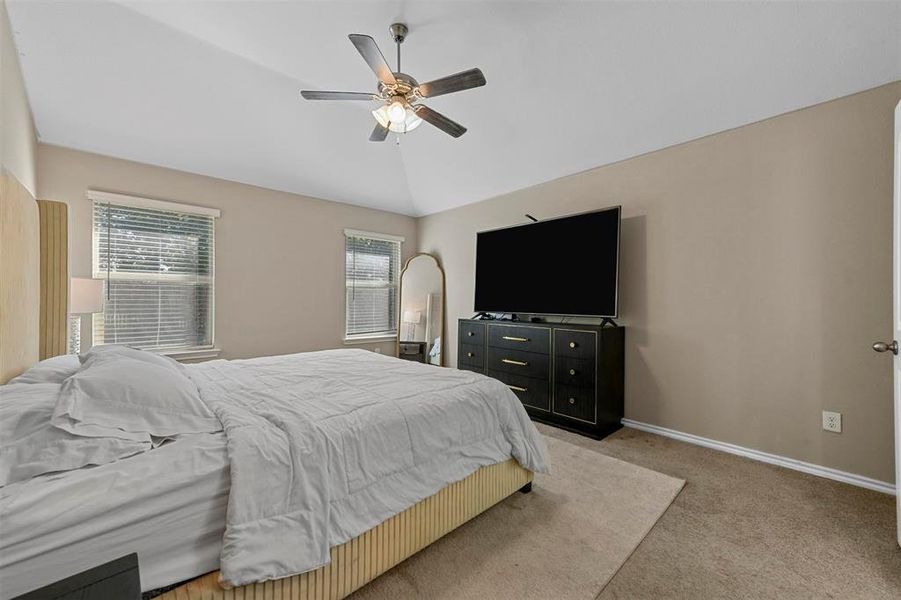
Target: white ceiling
(212, 87)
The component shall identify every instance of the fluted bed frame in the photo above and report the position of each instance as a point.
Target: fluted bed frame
(362, 559)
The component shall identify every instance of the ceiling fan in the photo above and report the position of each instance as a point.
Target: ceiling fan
(399, 93)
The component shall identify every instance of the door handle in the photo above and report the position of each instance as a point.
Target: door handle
(883, 347)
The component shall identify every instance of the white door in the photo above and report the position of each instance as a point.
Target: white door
(896, 314)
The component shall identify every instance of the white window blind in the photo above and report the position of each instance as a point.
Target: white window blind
(372, 267)
(157, 264)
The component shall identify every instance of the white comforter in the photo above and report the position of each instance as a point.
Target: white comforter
(325, 445)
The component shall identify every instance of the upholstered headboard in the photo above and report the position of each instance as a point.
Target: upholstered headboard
(19, 278)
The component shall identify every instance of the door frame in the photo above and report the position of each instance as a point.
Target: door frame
(896, 310)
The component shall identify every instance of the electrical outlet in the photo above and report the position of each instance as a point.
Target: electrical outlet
(832, 421)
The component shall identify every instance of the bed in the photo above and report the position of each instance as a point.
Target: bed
(143, 504)
(331, 468)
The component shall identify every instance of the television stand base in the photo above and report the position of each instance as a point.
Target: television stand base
(608, 321)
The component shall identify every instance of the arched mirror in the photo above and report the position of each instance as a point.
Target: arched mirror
(421, 319)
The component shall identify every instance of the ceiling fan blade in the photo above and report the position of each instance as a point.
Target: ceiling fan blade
(379, 133)
(449, 127)
(315, 95)
(452, 83)
(367, 47)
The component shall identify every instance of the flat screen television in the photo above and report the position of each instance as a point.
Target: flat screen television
(563, 266)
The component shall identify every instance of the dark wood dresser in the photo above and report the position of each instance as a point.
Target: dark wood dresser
(566, 375)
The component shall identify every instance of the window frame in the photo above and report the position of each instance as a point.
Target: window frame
(364, 338)
(203, 351)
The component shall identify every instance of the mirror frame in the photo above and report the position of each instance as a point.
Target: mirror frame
(400, 309)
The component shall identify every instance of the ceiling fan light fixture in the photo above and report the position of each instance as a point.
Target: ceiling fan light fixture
(411, 121)
(381, 115)
(397, 111)
(408, 121)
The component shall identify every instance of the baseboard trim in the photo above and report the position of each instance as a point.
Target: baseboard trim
(766, 457)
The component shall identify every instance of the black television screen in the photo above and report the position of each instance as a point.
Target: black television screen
(564, 266)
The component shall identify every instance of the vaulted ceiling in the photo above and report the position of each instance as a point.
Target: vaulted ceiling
(212, 87)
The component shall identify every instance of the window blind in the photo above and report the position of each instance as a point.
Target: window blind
(158, 271)
(372, 267)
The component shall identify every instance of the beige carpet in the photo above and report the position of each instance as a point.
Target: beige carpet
(746, 530)
(564, 540)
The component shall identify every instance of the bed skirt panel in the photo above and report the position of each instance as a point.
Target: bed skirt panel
(362, 559)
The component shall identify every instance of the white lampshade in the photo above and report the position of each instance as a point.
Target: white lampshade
(412, 316)
(85, 296)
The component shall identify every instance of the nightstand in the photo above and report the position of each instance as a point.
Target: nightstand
(414, 351)
(116, 579)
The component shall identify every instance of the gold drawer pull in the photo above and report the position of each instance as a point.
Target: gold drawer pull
(515, 339)
(572, 400)
(510, 361)
(516, 388)
(571, 371)
(572, 344)
(470, 354)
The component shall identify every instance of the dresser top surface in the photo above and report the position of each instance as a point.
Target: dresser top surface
(543, 325)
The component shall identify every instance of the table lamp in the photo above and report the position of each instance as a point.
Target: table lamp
(412, 318)
(85, 298)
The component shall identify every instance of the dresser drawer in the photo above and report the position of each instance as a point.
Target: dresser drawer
(471, 355)
(534, 393)
(575, 402)
(473, 368)
(472, 333)
(529, 364)
(573, 343)
(520, 337)
(574, 371)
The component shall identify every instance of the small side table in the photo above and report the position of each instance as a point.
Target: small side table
(414, 351)
(117, 579)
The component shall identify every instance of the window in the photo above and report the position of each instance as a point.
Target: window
(156, 260)
(372, 267)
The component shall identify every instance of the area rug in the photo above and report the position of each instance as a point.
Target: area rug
(564, 540)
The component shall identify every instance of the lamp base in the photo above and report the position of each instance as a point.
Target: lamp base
(74, 334)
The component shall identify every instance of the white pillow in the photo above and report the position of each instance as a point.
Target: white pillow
(135, 353)
(31, 446)
(51, 370)
(116, 394)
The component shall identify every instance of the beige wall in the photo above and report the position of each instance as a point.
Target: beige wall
(19, 273)
(279, 256)
(756, 273)
(17, 135)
